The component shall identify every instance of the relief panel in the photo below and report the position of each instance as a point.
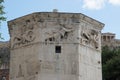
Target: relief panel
(90, 37)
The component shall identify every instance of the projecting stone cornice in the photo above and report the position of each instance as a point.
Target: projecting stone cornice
(51, 16)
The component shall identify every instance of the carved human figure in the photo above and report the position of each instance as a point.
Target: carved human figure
(95, 38)
(85, 37)
(28, 36)
(58, 34)
(90, 37)
(24, 38)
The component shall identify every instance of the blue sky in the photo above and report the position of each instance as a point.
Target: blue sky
(105, 11)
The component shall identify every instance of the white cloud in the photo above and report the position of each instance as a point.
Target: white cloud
(93, 4)
(114, 2)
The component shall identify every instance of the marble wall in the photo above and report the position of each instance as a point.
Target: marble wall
(55, 46)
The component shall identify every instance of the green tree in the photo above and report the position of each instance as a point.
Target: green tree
(2, 18)
(111, 63)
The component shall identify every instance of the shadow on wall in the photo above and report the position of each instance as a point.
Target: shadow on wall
(4, 74)
(4, 60)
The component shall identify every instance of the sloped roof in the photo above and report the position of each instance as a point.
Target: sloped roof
(62, 15)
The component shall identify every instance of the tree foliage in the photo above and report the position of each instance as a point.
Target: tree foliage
(111, 63)
(2, 18)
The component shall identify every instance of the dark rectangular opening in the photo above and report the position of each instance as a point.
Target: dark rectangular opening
(57, 49)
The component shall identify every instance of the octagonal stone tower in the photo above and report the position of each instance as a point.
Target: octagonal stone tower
(55, 46)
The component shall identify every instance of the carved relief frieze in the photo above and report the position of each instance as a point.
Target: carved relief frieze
(64, 27)
(60, 33)
(40, 21)
(90, 37)
(23, 34)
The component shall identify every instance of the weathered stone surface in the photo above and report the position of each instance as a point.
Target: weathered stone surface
(55, 46)
(4, 60)
(4, 55)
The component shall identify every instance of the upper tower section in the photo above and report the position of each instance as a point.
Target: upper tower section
(55, 27)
